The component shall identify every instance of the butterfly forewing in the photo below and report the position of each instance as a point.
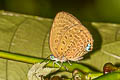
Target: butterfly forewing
(68, 37)
(61, 23)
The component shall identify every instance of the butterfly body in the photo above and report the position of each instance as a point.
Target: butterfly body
(69, 39)
(52, 57)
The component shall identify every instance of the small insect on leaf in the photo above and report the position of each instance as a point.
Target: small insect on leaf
(69, 39)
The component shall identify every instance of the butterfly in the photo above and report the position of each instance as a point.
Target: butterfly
(69, 39)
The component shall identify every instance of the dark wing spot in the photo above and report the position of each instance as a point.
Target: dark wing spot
(56, 41)
(74, 49)
(65, 37)
(81, 30)
(68, 46)
(70, 35)
(77, 37)
(56, 48)
(63, 42)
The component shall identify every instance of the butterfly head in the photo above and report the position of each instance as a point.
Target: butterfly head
(52, 57)
(62, 59)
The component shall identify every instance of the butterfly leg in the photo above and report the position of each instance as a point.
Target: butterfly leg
(64, 66)
(69, 62)
(55, 62)
(45, 60)
(48, 61)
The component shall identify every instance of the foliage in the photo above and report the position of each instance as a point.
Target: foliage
(27, 35)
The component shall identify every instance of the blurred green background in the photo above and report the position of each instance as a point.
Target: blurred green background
(84, 10)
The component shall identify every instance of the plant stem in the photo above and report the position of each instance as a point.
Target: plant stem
(19, 57)
(32, 60)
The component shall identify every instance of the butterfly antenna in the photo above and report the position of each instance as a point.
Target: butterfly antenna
(68, 61)
(45, 60)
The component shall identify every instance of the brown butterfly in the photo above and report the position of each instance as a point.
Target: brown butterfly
(69, 39)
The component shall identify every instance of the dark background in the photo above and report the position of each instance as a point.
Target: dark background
(84, 10)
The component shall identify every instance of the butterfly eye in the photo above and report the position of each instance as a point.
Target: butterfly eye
(52, 57)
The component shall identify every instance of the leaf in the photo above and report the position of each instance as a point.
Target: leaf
(22, 34)
(109, 76)
(29, 35)
(38, 71)
(109, 50)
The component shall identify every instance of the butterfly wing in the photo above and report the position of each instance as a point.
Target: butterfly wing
(76, 45)
(62, 22)
(68, 37)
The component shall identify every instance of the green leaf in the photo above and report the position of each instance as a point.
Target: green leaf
(29, 35)
(108, 42)
(21, 34)
(109, 76)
